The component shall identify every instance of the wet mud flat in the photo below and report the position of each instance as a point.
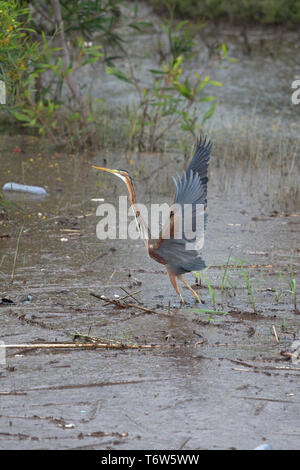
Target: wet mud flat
(206, 381)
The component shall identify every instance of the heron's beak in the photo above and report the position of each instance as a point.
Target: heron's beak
(114, 172)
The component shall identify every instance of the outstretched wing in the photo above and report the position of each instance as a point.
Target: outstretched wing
(183, 254)
(199, 164)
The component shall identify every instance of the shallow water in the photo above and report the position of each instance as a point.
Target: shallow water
(258, 85)
(215, 381)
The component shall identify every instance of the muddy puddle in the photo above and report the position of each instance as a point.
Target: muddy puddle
(214, 381)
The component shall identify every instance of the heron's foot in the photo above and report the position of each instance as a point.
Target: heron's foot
(200, 301)
(182, 301)
(192, 290)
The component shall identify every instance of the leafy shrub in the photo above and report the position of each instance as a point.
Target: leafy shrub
(172, 98)
(237, 11)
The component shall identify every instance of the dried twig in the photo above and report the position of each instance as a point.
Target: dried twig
(109, 280)
(127, 305)
(130, 295)
(123, 298)
(289, 354)
(275, 333)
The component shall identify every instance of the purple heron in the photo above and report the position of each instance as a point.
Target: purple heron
(190, 189)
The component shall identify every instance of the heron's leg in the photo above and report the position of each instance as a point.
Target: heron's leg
(192, 290)
(175, 285)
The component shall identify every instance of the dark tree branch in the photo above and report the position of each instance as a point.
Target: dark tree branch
(70, 77)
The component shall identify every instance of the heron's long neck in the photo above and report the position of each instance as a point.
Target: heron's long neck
(142, 226)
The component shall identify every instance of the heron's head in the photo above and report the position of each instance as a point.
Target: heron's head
(123, 174)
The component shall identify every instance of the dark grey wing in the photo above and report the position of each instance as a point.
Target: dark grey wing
(190, 189)
(178, 259)
(199, 162)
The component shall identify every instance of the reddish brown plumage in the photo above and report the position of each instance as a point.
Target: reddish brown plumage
(156, 257)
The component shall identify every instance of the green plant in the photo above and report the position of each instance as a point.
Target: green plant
(180, 37)
(16, 254)
(210, 313)
(73, 121)
(232, 286)
(283, 326)
(35, 72)
(249, 288)
(2, 259)
(293, 292)
(236, 11)
(93, 20)
(279, 292)
(292, 285)
(199, 275)
(225, 269)
(41, 62)
(172, 98)
(90, 17)
(165, 104)
(3, 203)
(211, 291)
(16, 47)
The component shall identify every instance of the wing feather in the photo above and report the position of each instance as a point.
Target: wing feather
(191, 189)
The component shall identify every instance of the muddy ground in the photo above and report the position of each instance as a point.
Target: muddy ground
(215, 381)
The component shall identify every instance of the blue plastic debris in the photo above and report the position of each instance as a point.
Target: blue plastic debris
(24, 188)
(29, 299)
(263, 447)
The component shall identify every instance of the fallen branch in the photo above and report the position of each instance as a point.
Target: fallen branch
(128, 305)
(94, 345)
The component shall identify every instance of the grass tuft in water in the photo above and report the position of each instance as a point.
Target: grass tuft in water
(248, 284)
(292, 285)
(16, 255)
